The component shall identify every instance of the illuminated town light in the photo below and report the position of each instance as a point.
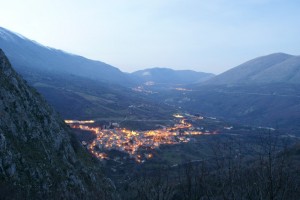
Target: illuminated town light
(130, 141)
(79, 122)
(177, 116)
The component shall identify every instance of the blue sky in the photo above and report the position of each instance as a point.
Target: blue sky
(203, 35)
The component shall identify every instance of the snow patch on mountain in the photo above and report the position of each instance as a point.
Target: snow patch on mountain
(147, 73)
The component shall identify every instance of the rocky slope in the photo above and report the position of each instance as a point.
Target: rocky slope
(39, 158)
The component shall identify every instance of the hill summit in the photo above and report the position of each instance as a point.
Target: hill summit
(273, 68)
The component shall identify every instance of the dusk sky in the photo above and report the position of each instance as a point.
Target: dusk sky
(202, 35)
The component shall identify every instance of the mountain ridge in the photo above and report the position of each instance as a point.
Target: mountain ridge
(26, 54)
(265, 69)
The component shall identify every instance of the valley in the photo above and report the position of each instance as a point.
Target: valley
(179, 134)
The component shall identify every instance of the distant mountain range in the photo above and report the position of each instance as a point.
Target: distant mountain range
(78, 87)
(274, 68)
(28, 55)
(261, 91)
(170, 76)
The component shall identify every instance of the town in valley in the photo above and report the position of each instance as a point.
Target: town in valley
(139, 145)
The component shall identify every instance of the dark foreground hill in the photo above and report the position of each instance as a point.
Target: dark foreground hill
(39, 158)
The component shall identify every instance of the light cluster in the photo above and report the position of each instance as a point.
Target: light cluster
(131, 142)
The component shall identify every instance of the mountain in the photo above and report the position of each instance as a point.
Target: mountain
(78, 94)
(39, 156)
(273, 68)
(170, 76)
(261, 92)
(28, 55)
